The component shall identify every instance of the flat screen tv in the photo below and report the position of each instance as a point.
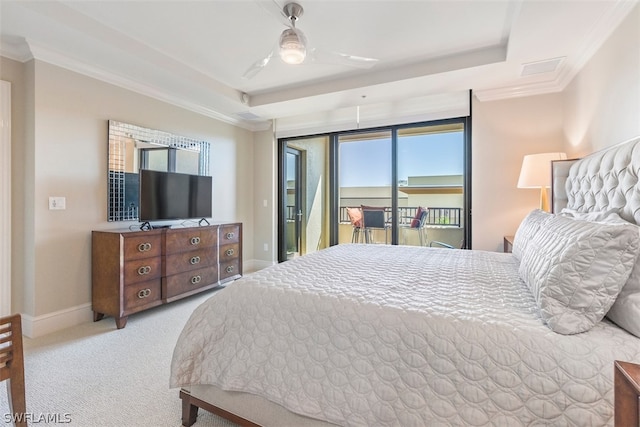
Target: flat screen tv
(171, 195)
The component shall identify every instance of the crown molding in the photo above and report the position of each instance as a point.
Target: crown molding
(598, 36)
(42, 53)
(16, 51)
(518, 91)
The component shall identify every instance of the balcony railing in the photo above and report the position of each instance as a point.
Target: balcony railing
(436, 215)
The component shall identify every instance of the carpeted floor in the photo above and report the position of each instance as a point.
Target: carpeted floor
(95, 375)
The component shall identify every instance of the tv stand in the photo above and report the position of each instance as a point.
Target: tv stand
(133, 271)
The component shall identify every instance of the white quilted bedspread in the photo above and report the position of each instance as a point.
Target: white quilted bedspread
(365, 335)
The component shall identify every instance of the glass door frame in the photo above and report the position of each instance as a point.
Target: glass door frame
(283, 151)
(334, 203)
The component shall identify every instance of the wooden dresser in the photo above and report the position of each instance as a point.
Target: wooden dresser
(136, 270)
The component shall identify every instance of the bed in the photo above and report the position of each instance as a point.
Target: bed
(361, 335)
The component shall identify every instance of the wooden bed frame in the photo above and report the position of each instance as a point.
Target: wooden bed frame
(190, 406)
(256, 411)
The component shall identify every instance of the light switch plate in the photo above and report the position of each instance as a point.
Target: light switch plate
(57, 203)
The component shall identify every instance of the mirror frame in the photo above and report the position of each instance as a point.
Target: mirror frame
(125, 140)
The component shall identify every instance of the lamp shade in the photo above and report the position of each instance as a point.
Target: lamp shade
(292, 46)
(536, 170)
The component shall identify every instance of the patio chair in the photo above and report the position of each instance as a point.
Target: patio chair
(417, 224)
(355, 216)
(12, 366)
(373, 218)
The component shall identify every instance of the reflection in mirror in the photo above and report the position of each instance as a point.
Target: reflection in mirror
(132, 148)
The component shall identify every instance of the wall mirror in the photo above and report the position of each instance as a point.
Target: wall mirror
(132, 148)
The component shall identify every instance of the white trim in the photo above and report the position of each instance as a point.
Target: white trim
(5, 198)
(53, 57)
(253, 265)
(38, 326)
(34, 327)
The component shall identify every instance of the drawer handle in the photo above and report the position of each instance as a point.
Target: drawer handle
(143, 293)
(230, 235)
(195, 280)
(144, 247)
(230, 252)
(230, 269)
(145, 269)
(195, 260)
(195, 241)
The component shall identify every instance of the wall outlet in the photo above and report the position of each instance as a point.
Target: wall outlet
(57, 203)
(266, 247)
(265, 203)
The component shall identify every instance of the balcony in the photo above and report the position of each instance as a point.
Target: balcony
(444, 224)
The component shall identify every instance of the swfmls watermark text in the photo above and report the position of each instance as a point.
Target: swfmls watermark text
(36, 418)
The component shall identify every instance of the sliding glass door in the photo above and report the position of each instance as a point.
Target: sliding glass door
(364, 180)
(430, 198)
(415, 178)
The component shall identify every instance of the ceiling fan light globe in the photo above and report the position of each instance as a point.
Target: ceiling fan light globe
(292, 47)
(293, 55)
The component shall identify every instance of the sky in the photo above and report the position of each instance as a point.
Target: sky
(368, 163)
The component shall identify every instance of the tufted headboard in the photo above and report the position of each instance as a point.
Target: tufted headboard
(607, 179)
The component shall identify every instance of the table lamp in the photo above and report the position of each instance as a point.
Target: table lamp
(536, 173)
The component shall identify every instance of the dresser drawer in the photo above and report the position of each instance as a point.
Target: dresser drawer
(229, 234)
(229, 252)
(140, 270)
(140, 245)
(142, 295)
(189, 281)
(189, 261)
(230, 269)
(188, 239)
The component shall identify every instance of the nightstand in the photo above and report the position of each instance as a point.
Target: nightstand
(626, 394)
(508, 244)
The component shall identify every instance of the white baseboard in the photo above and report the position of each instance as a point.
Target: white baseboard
(34, 327)
(249, 266)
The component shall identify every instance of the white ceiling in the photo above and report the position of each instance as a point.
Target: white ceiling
(194, 53)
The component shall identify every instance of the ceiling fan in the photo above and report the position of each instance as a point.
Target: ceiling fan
(293, 48)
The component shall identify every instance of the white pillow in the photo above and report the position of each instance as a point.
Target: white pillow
(625, 311)
(528, 227)
(576, 269)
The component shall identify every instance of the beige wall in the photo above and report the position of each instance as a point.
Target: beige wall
(503, 133)
(602, 104)
(265, 190)
(62, 151)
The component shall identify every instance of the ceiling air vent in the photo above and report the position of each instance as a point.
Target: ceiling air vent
(540, 67)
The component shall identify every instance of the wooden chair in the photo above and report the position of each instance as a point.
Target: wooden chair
(12, 366)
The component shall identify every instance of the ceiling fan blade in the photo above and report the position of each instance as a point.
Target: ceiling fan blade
(274, 9)
(338, 58)
(257, 66)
